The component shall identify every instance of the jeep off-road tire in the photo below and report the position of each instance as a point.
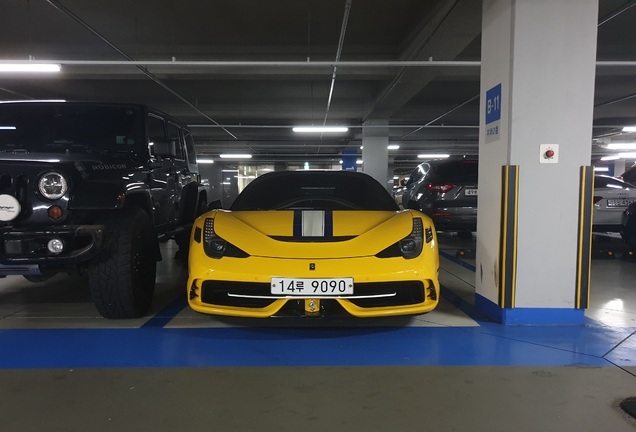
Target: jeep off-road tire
(122, 276)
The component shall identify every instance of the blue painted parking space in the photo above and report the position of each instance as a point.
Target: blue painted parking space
(457, 334)
(489, 344)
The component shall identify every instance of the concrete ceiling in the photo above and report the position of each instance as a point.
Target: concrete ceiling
(428, 108)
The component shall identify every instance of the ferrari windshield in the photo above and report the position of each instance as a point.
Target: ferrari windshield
(51, 127)
(316, 190)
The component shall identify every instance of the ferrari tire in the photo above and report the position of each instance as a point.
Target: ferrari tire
(122, 276)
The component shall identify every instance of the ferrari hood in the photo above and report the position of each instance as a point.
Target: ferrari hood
(313, 234)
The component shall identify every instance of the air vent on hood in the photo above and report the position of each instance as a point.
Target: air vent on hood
(312, 239)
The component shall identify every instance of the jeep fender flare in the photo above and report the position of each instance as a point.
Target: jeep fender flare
(111, 197)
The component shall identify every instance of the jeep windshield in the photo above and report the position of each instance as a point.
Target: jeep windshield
(53, 127)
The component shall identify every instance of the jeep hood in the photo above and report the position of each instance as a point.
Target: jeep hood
(90, 164)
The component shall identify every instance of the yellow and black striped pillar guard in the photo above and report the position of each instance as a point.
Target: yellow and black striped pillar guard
(584, 238)
(508, 235)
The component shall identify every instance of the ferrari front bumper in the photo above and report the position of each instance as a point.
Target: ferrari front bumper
(382, 286)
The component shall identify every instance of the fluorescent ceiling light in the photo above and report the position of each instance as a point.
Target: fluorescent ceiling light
(205, 161)
(433, 156)
(627, 155)
(236, 156)
(610, 158)
(358, 161)
(629, 129)
(316, 129)
(229, 170)
(29, 67)
(621, 146)
(7, 127)
(390, 147)
(601, 169)
(32, 101)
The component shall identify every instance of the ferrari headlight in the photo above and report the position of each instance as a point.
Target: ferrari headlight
(213, 245)
(217, 247)
(52, 185)
(411, 246)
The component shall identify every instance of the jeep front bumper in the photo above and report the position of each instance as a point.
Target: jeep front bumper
(20, 248)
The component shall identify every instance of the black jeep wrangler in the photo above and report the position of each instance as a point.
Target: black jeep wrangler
(92, 188)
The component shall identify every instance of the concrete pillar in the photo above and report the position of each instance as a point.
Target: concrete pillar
(375, 155)
(619, 167)
(537, 88)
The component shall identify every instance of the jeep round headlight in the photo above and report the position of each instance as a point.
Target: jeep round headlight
(52, 185)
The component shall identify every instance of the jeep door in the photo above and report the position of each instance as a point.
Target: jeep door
(164, 182)
(183, 176)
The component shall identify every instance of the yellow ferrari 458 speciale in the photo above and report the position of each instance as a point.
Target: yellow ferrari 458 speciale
(313, 243)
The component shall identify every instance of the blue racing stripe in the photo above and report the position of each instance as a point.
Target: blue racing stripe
(298, 223)
(328, 223)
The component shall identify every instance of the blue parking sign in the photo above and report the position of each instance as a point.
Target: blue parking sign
(493, 104)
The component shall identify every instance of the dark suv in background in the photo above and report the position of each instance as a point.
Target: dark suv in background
(629, 176)
(446, 190)
(90, 188)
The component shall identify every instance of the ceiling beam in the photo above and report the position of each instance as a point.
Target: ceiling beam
(442, 37)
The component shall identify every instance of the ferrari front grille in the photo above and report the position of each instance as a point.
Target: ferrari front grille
(406, 293)
(218, 293)
(258, 295)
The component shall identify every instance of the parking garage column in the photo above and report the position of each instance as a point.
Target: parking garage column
(618, 168)
(535, 182)
(375, 154)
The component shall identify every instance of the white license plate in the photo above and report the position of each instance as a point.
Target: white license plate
(470, 192)
(619, 202)
(306, 287)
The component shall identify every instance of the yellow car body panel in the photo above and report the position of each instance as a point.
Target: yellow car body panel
(371, 232)
(251, 231)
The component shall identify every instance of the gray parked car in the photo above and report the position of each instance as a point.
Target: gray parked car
(611, 198)
(446, 190)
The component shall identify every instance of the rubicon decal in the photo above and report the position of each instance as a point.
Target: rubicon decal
(109, 167)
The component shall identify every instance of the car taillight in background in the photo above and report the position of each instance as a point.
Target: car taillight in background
(439, 187)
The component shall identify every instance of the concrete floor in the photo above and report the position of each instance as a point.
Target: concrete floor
(63, 368)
